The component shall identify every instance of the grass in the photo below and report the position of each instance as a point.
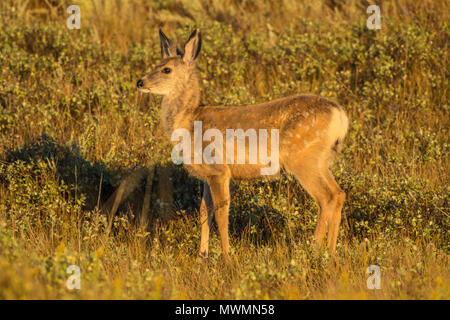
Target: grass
(72, 126)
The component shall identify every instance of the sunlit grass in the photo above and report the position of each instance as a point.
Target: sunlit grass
(72, 125)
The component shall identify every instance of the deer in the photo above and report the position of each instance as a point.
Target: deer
(311, 131)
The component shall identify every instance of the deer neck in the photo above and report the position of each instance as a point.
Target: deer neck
(178, 107)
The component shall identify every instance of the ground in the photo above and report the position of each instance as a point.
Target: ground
(72, 125)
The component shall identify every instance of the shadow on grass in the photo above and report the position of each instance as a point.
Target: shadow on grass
(98, 183)
(171, 192)
(87, 178)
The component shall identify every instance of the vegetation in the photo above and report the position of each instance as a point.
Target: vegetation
(72, 125)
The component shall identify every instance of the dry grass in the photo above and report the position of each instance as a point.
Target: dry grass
(72, 124)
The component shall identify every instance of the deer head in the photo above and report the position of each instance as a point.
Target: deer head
(176, 67)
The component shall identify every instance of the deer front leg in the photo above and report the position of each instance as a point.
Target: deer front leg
(206, 216)
(220, 191)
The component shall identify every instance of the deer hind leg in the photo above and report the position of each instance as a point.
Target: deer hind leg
(220, 192)
(317, 180)
(206, 216)
(333, 228)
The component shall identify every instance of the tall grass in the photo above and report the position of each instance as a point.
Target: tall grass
(72, 125)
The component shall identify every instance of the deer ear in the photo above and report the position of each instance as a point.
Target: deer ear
(168, 48)
(192, 47)
(165, 44)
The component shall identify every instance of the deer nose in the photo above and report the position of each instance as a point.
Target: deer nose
(140, 83)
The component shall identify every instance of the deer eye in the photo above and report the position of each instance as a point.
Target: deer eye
(166, 70)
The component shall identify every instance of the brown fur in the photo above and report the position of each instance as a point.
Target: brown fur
(310, 129)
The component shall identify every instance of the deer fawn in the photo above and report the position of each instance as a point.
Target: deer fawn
(311, 129)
